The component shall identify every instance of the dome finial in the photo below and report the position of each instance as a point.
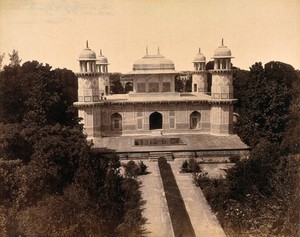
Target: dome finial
(199, 50)
(87, 44)
(147, 49)
(100, 51)
(222, 41)
(158, 50)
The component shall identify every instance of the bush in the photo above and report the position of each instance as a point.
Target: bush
(185, 166)
(132, 170)
(249, 205)
(215, 190)
(190, 166)
(143, 168)
(234, 158)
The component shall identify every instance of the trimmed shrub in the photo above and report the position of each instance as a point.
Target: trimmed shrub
(132, 169)
(190, 166)
(142, 168)
(185, 166)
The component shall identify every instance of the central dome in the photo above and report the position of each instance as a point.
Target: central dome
(156, 63)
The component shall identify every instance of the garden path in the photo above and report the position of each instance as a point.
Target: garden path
(204, 222)
(159, 224)
(156, 209)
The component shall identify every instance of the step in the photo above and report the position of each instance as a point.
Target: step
(154, 156)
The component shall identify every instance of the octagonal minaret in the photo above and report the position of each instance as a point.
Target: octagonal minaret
(199, 77)
(222, 92)
(103, 76)
(222, 74)
(88, 92)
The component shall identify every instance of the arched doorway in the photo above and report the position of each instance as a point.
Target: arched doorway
(195, 118)
(155, 121)
(116, 122)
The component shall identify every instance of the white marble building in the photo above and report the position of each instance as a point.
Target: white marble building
(153, 105)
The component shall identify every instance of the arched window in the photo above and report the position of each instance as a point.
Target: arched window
(155, 121)
(195, 119)
(224, 64)
(116, 122)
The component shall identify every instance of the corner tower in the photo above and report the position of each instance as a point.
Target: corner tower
(222, 74)
(103, 76)
(222, 92)
(88, 92)
(87, 78)
(199, 77)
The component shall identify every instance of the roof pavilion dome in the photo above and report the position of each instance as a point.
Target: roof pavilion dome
(200, 58)
(101, 59)
(87, 53)
(153, 64)
(222, 52)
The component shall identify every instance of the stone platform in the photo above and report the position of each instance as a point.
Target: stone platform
(192, 144)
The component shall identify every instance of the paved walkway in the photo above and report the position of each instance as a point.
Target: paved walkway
(156, 209)
(203, 220)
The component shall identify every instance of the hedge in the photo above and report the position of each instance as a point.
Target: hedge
(181, 222)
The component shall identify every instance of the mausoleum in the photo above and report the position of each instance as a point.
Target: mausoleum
(154, 108)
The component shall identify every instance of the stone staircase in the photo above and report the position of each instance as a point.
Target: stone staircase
(153, 156)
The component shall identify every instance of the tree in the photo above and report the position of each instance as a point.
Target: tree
(188, 83)
(115, 84)
(128, 87)
(264, 108)
(261, 186)
(47, 162)
(240, 78)
(178, 84)
(14, 145)
(14, 59)
(1, 60)
(77, 215)
(35, 93)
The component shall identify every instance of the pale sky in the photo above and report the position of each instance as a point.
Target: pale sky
(55, 31)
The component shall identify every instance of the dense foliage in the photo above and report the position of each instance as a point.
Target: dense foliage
(261, 195)
(115, 84)
(183, 85)
(33, 93)
(181, 222)
(51, 182)
(190, 166)
(265, 102)
(132, 169)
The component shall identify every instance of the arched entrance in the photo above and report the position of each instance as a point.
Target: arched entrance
(195, 118)
(155, 121)
(116, 122)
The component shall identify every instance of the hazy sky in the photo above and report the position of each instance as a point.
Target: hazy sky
(55, 31)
